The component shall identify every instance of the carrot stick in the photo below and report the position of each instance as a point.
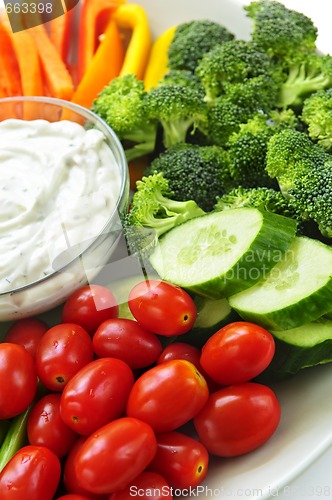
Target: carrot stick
(60, 30)
(55, 72)
(10, 78)
(105, 65)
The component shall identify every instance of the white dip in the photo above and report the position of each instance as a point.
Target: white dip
(59, 184)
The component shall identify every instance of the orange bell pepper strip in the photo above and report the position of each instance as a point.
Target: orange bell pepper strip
(27, 59)
(94, 18)
(105, 65)
(132, 16)
(10, 78)
(56, 74)
(157, 65)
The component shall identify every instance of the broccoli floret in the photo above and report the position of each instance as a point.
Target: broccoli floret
(305, 74)
(303, 170)
(265, 198)
(153, 212)
(198, 173)
(180, 109)
(122, 105)
(183, 77)
(317, 114)
(248, 147)
(192, 40)
(240, 63)
(281, 31)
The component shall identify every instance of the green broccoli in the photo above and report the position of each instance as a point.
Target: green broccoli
(122, 105)
(242, 68)
(198, 173)
(304, 74)
(268, 199)
(193, 39)
(281, 31)
(183, 77)
(317, 115)
(247, 148)
(153, 212)
(180, 109)
(303, 170)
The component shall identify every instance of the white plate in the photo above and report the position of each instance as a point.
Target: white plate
(305, 430)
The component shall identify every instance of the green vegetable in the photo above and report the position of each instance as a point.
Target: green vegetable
(212, 315)
(15, 438)
(221, 253)
(280, 31)
(317, 114)
(304, 173)
(122, 105)
(153, 212)
(198, 173)
(180, 109)
(193, 39)
(247, 148)
(297, 290)
(298, 348)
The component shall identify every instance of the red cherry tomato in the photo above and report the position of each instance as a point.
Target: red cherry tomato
(46, 428)
(89, 307)
(96, 395)
(162, 308)
(27, 332)
(182, 460)
(127, 340)
(19, 379)
(33, 472)
(237, 419)
(237, 353)
(62, 351)
(146, 486)
(181, 350)
(70, 480)
(114, 455)
(168, 395)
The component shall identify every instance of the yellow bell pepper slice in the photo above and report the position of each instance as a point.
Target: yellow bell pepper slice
(157, 66)
(132, 16)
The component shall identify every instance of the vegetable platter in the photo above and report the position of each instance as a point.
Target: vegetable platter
(258, 237)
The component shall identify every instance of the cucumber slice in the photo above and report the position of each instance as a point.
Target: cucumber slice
(222, 253)
(212, 315)
(298, 348)
(297, 290)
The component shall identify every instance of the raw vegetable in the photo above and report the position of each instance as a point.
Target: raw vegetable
(157, 65)
(316, 113)
(221, 253)
(99, 73)
(297, 290)
(10, 81)
(133, 17)
(60, 31)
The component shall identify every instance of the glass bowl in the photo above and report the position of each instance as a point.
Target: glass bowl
(81, 255)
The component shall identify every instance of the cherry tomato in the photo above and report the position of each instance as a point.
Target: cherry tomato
(162, 307)
(89, 307)
(127, 340)
(114, 455)
(146, 486)
(168, 395)
(237, 353)
(237, 419)
(181, 350)
(70, 480)
(96, 395)
(18, 379)
(73, 496)
(181, 459)
(62, 351)
(46, 428)
(34, 471)
(27, 332)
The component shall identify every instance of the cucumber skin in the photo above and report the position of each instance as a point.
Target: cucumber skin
(275, 228)
(304, 311)
(290, 359)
